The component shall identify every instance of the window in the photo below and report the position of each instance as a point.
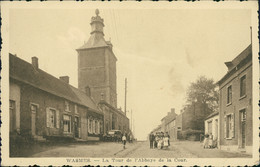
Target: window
(93, 126)
(243, 86)
(33, 108)
(76, 108)
(90, 125)
(96, 127)
(229, 94)
(229, 126)
(67, 106)
(12, 115)
(67, 123)
(52, 119)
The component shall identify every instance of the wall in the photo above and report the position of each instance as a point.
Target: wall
(236, 105)
(44, 100)
(91, 71)
(215, 132)
(97, 69)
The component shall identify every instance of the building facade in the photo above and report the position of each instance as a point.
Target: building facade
(212, 126)
(44, 107)
(169, 124)
(235, 87)
(97, 72)
(97, 64)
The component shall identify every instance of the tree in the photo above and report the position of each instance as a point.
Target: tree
(203, 91)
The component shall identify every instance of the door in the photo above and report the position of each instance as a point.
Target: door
(243, 128)
(216, 129)
(33, 119)
(76, 130)
(12, 116)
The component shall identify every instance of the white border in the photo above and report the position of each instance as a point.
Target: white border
(6, 6)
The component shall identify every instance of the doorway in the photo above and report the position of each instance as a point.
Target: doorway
(33, 118)
(242, 128)
(76, 127)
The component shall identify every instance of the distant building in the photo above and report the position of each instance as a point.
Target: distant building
(169, 124)
(97, 72)
(157, 129)
(236, 128)
(44, 107)
(212, 126)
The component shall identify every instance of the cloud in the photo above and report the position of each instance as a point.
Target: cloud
(73, 39)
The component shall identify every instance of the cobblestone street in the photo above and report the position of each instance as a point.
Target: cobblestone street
(180, 149)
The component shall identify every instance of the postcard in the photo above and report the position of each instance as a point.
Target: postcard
(130, 83)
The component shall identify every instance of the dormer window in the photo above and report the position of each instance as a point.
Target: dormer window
(67, 106)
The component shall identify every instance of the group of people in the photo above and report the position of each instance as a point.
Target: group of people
(208, 141)
(159, 140)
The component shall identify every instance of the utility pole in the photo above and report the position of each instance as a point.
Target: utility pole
(251, 35)
(131, 120)
(125, 93)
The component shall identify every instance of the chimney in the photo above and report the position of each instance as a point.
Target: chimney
(35, 62)
(87, 91)
(172, 110)
(65, 79)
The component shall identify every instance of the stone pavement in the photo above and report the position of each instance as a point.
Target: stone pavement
(97, 149)
(180, 149)
(196, 148)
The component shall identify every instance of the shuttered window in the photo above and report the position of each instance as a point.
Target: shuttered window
(52, 118)
(67, 123)
(229, 126)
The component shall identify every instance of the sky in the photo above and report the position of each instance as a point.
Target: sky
(159, 51)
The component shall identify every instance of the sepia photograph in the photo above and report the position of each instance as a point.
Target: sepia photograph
(129, 84)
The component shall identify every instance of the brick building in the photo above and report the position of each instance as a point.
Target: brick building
(44, 107)
(236, 104)
(169, 124)
(97, 72)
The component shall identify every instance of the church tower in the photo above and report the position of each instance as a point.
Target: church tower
(97, 65)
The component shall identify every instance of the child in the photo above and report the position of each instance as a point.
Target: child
(210, 140)
(206, 141)
(124, 140)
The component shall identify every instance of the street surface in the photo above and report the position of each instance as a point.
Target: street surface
(180, 149)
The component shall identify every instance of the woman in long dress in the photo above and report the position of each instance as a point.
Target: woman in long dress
(206, 141)
(165, 141)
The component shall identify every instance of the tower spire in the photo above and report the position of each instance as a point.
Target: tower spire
(97, 24)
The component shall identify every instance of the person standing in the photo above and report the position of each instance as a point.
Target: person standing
(206, 141)
(155, 140)
(151, 139)
(210, 140)
(124, 140)
(168, 138)
(166, 141)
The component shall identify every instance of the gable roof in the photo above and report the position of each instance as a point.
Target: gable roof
(212, 114)
(24, 72)
(243, 58)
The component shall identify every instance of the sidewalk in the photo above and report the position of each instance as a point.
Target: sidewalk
(196, 148)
